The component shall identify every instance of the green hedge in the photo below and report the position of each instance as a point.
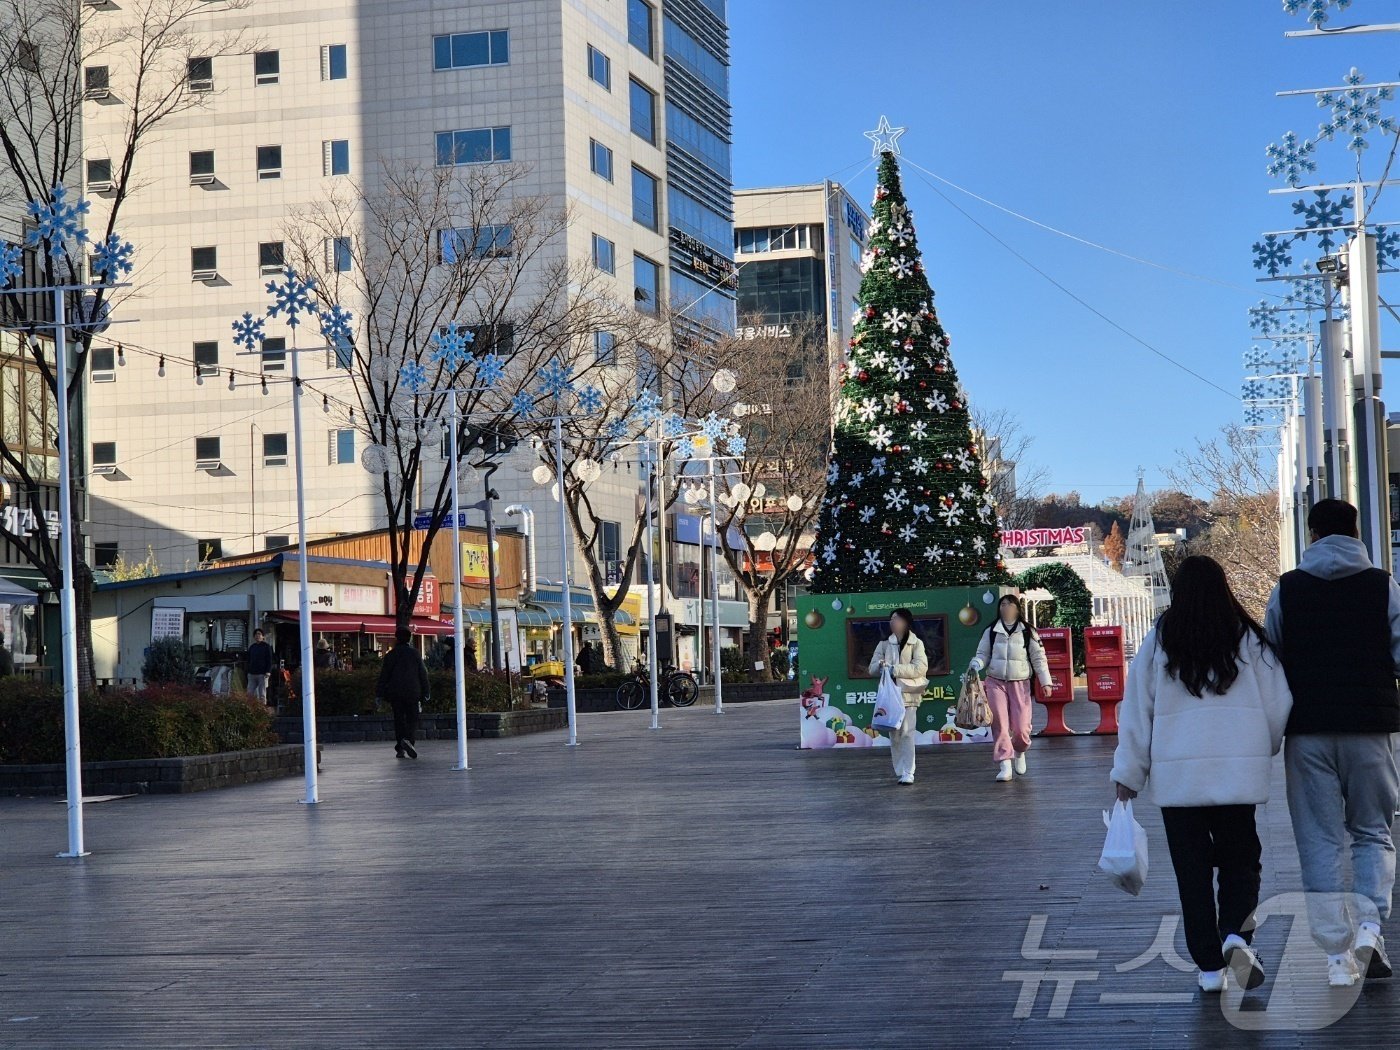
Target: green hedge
(352, 692)
(156, 722)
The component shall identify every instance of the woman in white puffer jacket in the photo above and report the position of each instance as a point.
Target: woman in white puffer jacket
(1011, 654)
(1200, 723)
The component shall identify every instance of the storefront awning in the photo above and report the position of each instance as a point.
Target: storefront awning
(350, 623)
(533, 618)
(12, 593)
(555, 611)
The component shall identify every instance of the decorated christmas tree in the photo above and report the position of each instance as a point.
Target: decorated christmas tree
(907, 505)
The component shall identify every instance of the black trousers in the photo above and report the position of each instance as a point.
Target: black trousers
(1202, 840)
(405, 720)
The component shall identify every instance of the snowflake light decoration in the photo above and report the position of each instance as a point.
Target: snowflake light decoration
(867, 409)
(490, 369)
(685, 449)
(556, 379)
(1271, 254)
(1263, 318)
(857, 479)
(523, 403)
(336, 330)
(901, 235)
(1323, 217)
(965, 460)
(10, 265)
(907, 533)
(450, 346)
(111, 259)
(881, 437)
(901, 369)
(1256, 360)
(1253, 416)
(57, 222)
(248, 331)
(1355, 112)
(936, 402)
(590, 400)
(979, 544)
(713, 427)
(1291, 160)
(829, 551)
(292, 296)
(871, 562)
(648, 407)
(895, 321)
(918, 430)
(1387, 247)
(414, 376)
(616, 430)
(674, 426)
(737, 444)
(951, 515)
(866, 513)
(919, 466)
(902, 267)
(833, 472)
(1316, 9)
(897, 499)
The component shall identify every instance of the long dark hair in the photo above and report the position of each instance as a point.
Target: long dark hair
(1015, 599)
(908, 618)
(1202, 629)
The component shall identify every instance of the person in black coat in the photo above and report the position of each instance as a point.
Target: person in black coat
(403, 682)
(258, 662)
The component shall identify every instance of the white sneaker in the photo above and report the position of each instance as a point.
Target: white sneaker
(1342, 971)
(1212, 980)
(1004, 772)
(1019, 764)
(908, 778)
(1370, 953)
(1243, 962)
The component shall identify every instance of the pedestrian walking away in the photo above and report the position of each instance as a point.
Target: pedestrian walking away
(904, 654)
(1010, 653)
(1335, 621)
(1200, 723)
(258, 665)
(403, 683)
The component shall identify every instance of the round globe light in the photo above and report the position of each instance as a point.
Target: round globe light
(542, 475)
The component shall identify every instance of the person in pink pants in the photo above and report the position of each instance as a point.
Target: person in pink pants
(1011, 654)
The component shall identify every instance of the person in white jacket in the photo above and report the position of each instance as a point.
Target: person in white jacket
(1010, 653)
(1202, 719)
(904, 654)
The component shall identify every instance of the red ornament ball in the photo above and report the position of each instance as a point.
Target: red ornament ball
(922, 384)
(957, 403)
(939, 369)
(863, 376)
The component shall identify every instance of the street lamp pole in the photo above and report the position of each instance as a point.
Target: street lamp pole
(459, 665)
(714, 591)
(649, 454)
(496, 658)
(308, 676)
(565, 548)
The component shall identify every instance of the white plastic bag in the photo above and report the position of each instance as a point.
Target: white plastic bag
(889, 703)
(1124, 857)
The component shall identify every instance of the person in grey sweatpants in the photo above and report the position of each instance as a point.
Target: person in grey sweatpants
(1335, 621)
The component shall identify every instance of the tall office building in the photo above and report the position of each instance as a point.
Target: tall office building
(617, 108)
(799, 249)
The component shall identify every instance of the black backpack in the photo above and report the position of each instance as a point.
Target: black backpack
(1025, 637)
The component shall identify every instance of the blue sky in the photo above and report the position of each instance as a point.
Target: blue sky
(1138, 125)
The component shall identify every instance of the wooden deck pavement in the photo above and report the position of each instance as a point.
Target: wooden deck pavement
(704, 886)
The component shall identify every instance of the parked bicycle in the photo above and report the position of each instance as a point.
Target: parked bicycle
(679, 688)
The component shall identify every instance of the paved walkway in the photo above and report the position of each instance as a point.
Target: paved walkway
(705, 886)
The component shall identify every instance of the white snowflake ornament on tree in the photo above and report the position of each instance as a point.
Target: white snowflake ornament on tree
(871, 562)
(881, 437)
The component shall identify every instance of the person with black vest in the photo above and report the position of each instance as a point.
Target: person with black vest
(1335, 621)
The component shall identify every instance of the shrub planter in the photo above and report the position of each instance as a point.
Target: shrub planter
(589, 701)
(158, 776)
(350, 729)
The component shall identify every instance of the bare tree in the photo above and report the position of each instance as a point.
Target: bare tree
(1014, 481)
(1242, 518)
(773, 495)
(458, 287)
(53, 53)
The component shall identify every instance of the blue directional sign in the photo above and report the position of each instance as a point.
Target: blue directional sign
(422, 519)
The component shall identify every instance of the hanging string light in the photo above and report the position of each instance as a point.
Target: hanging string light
(161, 370)
(121, 356)
(264, 384)
(230, 379)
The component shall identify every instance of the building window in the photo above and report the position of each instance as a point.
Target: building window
(202, 164)
(104, 453)
(772, 239)
(473, 146)
(200, 74)
(643, 112)
(333, 62)
(204, 263)
(641, 27)
(267, 67)
(99, 174)
(646, 279)
(465, 50)
(486, 242)
(599, 67)
(97, 82)
(210, 550)
(274, 354)
(342, 446)
(104, 364)
(335, 157)
(272, 542)
(206, 358)
(600, 159)
(269, 162)
(206, 452)
(104, 555)
(272, 258)
(274, 450)
(857, 251)
(604, 254)
(645, 209)
(498, 339)
(338, 254)
(605, 348)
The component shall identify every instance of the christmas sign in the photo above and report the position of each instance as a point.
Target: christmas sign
(1020, 538)
(907, 503)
